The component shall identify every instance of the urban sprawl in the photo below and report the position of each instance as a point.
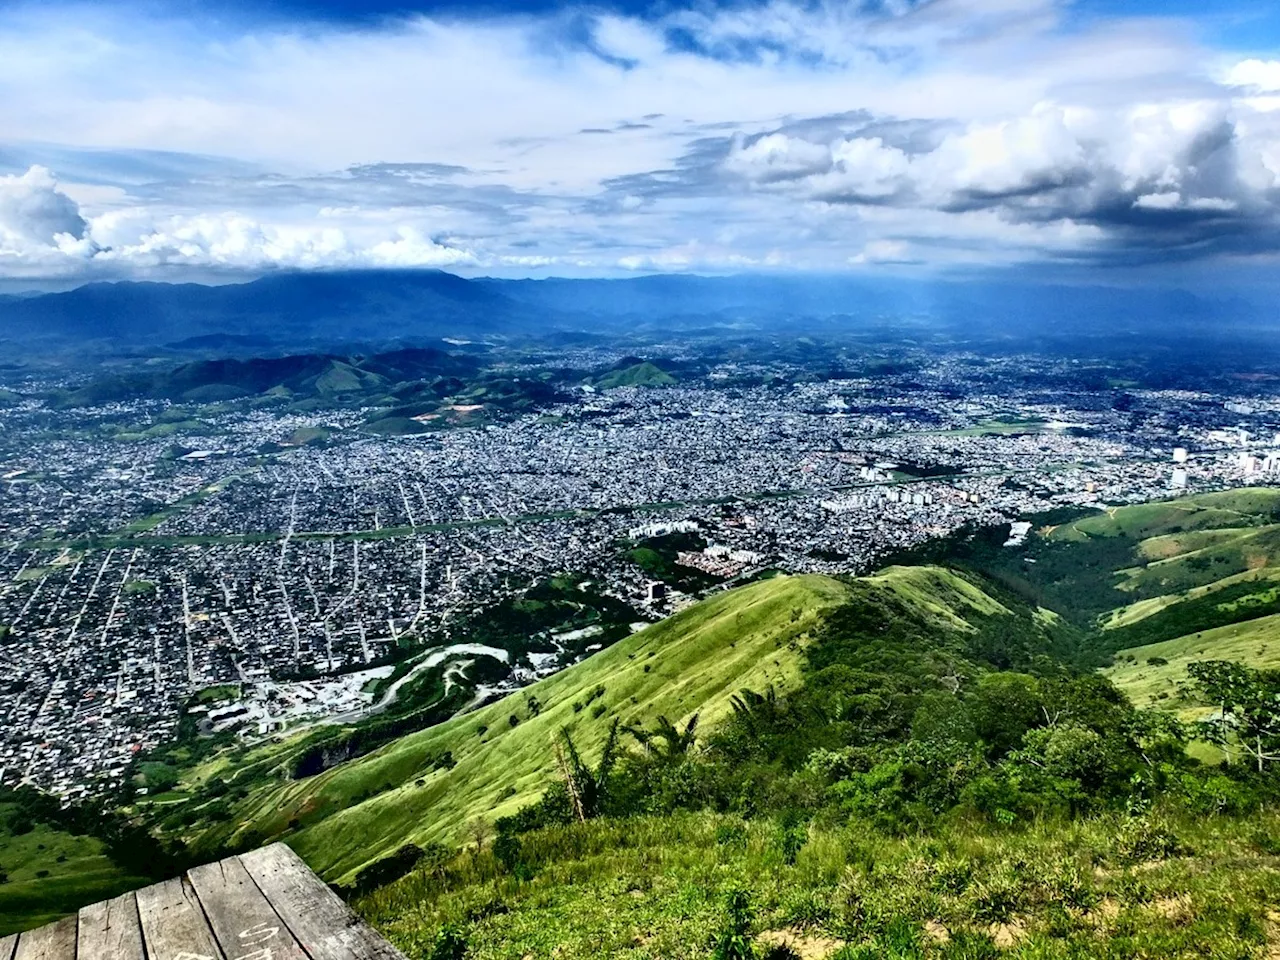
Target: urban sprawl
(135, 574)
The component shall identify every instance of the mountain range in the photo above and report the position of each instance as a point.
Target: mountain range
(384, 308)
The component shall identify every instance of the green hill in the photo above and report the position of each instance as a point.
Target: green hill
(429, 786)
(643, 374)
(918, 763)
(1156, 675)
(693, 662)
(910, 798)
(1137, 575)
(49, 872)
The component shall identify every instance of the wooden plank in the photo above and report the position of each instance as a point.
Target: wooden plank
(7, 946)
(109, 930)
(54, 941)
(244, 923)
(324, 925)
(173, 924)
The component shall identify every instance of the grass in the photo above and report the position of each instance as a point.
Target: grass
(649, 888)
(1232, 508)
(220, 691)
(346, 817)
(939, 594)
(998, 428)
(79, 872)
(1254, 642)
(695, 661)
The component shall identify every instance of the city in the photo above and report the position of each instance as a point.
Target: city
(258, 584)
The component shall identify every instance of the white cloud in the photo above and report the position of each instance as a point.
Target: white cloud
(933, 132)
(1259, 75)
(864, 169)
(35, 213)
(884, 251)
(42, 227)
(1024, 153)
(777, 157)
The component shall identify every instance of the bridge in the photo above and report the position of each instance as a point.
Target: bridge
(264, 905)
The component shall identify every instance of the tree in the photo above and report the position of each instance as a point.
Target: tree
(1248, 704)
(756, 710)
(666, 739)
(586, 787)
(1005, 706)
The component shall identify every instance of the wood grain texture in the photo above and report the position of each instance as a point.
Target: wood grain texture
(110, 931)
(56, 941)
(324, 925)
(173, 923)
(244, 923)
(264, 905)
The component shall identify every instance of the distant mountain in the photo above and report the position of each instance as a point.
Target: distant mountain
(325, 311)
(296, 307)
(303, 375)
(639, 374)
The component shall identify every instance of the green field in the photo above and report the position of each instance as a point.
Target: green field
(878, 758)
(358, 812)
(1254, 642)
(655, 889)
(76, 869)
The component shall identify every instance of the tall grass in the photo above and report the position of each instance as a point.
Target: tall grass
(1161, 885)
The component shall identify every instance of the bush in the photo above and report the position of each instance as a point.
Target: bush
(396, 865)
(1141, 840)
(731, 835)
(449, 944)
(734, 940)
(793, 834)
(1217, 794)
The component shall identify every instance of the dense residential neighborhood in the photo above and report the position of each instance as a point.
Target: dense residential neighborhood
(283, 561)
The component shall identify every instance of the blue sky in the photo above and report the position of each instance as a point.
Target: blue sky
(188, 139)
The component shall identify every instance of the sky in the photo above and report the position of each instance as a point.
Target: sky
(190, 140)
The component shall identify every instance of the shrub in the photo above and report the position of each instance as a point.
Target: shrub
(1217, 794)
(1141, 840)
(734, 940)
(731, 835)
(793, 834)
(449, 944)
(996, 897)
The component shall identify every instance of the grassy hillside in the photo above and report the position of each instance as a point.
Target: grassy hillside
(1156, 674)
(643, 374)
(1142, 574)
(911, 799)
(49, 872)
(650, 888)
(430, 786)
(360, 811)
(1204, 575)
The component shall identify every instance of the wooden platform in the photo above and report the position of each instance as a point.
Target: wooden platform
(264, 905)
